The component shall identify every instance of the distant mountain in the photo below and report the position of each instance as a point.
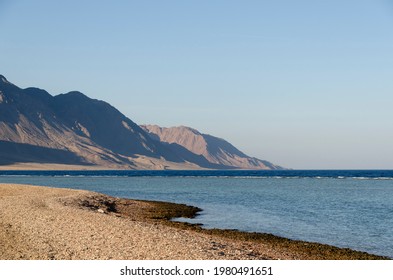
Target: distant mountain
(215, 150)
(73, 129)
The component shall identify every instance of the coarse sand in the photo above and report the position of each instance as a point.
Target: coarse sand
(63, 224)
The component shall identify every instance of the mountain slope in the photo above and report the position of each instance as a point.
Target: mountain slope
(91, 131)
(73, 129)
(215, 150)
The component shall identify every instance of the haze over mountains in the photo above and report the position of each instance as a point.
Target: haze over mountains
(74, 130)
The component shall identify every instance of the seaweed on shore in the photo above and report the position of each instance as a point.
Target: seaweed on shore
(167, 210)
(305, 250)
(164, 212)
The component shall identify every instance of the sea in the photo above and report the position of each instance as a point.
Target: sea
(345, 208)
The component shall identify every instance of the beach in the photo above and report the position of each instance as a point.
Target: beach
(63, 224)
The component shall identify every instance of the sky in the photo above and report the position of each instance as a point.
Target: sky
(303, 84)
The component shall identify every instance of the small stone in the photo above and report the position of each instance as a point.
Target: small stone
(101, 211)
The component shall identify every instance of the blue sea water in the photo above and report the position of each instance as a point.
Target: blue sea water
(345, 208)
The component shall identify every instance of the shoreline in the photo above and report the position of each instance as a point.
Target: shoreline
(166, 211)
(53, 223)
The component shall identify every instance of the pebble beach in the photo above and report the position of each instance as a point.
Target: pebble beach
(42, 223)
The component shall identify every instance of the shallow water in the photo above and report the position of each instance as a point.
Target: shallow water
(340, 209)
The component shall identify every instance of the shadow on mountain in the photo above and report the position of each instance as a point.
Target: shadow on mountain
(23, 153)
(107, 127)
(194, 158)
(215, 146)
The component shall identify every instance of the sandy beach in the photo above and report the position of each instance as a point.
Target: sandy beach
(50, 223)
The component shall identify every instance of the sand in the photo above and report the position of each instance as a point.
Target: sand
(50, 223)
(36, 223)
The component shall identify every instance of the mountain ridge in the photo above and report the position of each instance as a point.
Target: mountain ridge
(72, 128)
(215, 150)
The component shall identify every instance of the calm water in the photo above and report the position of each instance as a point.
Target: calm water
(344, 208)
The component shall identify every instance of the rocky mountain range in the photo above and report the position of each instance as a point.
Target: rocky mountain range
(215, 150)
(72, 130)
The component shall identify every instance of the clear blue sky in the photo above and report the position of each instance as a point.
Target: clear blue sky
(304, 84)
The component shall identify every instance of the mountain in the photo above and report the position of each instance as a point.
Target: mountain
(71, 130)
(215, 150)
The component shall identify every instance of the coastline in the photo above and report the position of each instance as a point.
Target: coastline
(53, 223)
